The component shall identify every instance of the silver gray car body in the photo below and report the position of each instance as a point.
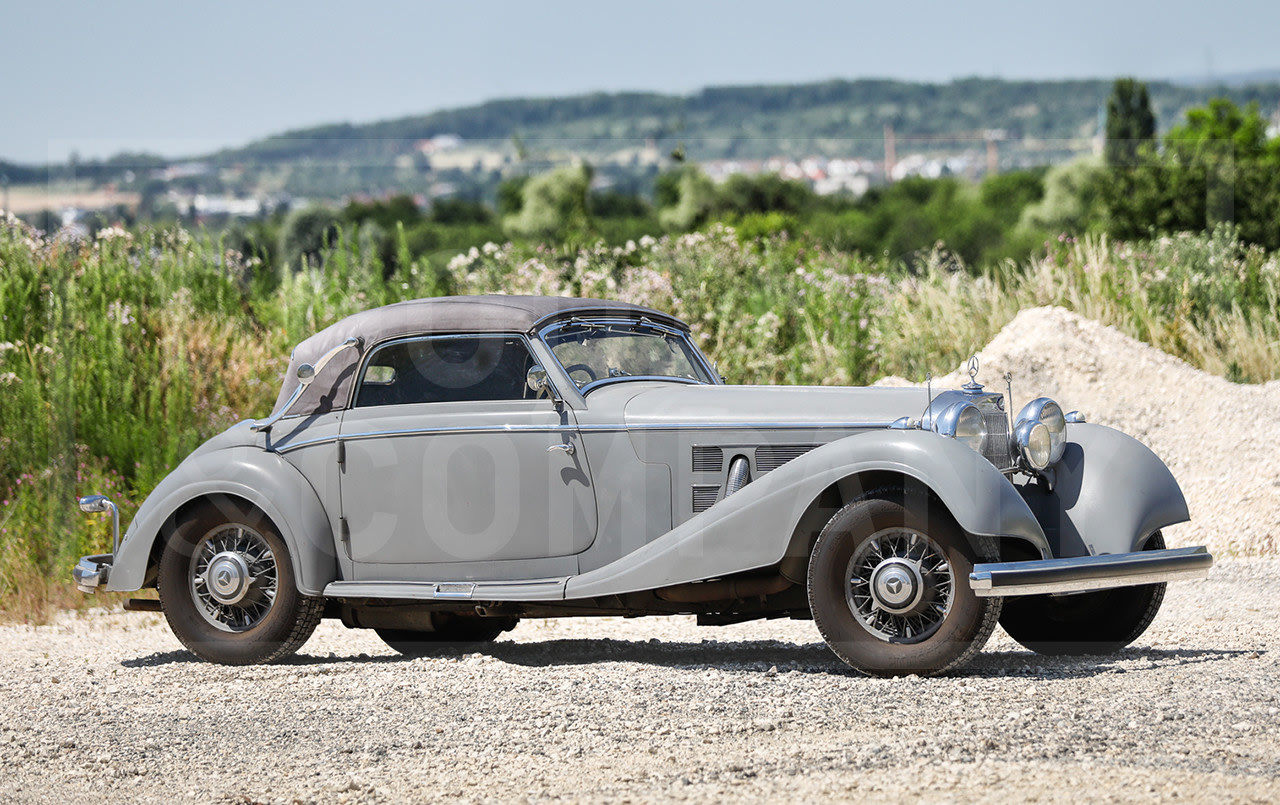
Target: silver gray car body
(602, 495)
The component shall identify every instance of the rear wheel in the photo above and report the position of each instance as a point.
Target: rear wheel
(447, 630)
(888, 586)
(226, 587)
(1101, 622)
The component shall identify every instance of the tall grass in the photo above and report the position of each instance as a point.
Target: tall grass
(120, 355)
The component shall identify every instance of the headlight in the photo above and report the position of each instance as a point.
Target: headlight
(1044, 411)
(963, 422)
(1035, 443)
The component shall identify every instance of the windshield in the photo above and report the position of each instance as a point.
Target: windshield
(592, 351)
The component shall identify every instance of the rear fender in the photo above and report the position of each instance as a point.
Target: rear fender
(263, 479)
(754, 528)
(1110, 494)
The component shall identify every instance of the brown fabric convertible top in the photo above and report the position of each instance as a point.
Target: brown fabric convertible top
(491, 313)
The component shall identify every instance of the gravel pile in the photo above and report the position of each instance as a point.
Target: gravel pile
(1220, 439)
(108, 707)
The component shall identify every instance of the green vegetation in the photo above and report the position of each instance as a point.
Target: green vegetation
(121, 352)
(119, 356)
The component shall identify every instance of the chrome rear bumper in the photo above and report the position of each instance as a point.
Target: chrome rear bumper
(91, 572)
(1076, 574)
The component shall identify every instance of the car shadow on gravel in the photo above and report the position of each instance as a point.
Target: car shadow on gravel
(183, 657)
(817, 658)
(810, 657)
(1130, 660)
(756, 655)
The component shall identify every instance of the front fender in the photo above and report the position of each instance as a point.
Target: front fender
(753, 528)
(264, 479)
(1110, 494)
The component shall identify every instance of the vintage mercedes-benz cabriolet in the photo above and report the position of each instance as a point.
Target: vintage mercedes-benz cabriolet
(435, 470)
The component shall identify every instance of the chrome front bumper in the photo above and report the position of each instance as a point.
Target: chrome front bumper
(1077, 574)
(91, 572)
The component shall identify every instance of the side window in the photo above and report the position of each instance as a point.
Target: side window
(446, 369)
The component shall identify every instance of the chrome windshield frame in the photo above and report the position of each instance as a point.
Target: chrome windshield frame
(700, 361)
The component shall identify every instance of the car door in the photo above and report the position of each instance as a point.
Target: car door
(446, 456)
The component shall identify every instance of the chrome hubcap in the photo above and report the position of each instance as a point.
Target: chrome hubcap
(233, 578)
(896, 585)
(228, 577)
(899, 585)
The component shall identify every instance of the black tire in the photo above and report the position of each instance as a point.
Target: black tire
(449, 630)
(1101, 622)
(949, 625)
(270, 621)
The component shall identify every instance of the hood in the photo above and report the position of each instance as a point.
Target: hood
(756, 406)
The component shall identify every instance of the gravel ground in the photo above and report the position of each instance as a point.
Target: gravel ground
(108, 707)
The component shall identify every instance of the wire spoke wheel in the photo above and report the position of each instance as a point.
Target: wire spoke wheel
(234, 577)
(888, 585)
(899, 585)
(228, 588)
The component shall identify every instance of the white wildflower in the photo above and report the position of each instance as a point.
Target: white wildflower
(111, 233)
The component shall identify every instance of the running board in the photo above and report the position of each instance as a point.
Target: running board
(1075, 574)
(536, 590)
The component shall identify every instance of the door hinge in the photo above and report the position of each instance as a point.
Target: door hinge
(342, 455)
(344, 533)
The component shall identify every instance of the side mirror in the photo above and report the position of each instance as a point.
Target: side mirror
(92, 504)
(537, 379)
(306, 373)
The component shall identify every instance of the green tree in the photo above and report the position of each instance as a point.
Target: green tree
(763, 193)
(695, 197)
(1219, 168)
(1131, 125)
(306, 235)
(1131, 189)
(1072, 199)
(553, 205)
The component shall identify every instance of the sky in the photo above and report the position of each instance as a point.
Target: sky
(185, 78)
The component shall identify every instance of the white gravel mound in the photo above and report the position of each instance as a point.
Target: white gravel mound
(1220, 439)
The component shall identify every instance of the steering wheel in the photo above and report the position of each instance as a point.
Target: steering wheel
(580, 367)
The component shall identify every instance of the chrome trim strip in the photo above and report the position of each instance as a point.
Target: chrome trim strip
(675, 426)
(605, 381)
(535, 590)
(753, 426)
(1082, 573)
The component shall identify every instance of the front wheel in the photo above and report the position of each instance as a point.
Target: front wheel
(888, 586)
(1101, 622)
(226, 587)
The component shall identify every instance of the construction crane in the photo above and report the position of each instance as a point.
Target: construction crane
(991, 136)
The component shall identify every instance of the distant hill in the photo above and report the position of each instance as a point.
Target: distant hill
(1230, 79)
(832, 118)
(629, 137)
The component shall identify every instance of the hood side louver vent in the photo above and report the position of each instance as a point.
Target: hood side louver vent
(704, 497)
(773, 456)
(708, 459)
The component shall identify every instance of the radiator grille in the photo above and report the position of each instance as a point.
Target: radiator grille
(996, 446)
(704, 497)
(708, 459)
(771, 457)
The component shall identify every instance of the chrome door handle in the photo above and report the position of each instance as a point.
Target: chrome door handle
(567, 447)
